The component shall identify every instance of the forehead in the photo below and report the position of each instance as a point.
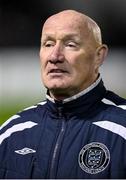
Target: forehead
(65, 24)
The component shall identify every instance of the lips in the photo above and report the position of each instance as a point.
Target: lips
(51, 71)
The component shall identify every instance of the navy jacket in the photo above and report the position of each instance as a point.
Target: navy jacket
(81, 137)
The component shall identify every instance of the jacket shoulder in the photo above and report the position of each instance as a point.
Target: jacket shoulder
(113, 115)
(112, 98)
(24, 119)
(114, 103)
(114, 109)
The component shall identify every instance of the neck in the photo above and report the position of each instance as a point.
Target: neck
(59, 96)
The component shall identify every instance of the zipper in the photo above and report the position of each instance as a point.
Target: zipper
(56, 151)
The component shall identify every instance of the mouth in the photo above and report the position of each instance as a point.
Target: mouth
(56, 71)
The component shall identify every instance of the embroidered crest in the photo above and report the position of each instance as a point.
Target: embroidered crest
(94, 158)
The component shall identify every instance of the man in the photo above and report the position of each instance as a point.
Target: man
(80, 130)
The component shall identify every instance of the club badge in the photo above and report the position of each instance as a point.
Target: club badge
(94, 158)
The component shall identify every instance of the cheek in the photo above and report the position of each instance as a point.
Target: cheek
(84, 68)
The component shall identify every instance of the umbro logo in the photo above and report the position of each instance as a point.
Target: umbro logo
(25, 151)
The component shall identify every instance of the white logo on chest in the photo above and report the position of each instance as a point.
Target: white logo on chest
(25, 151)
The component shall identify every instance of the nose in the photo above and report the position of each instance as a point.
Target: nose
(56, 55)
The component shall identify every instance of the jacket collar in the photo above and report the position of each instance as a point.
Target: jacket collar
(82, 103)
(85, 91)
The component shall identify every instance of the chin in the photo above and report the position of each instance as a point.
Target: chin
(56, 84)
(56, 87)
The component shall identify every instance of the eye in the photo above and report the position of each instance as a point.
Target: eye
(48, 43)
(72, 45)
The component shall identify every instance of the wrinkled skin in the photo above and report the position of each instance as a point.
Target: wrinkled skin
(71, 53)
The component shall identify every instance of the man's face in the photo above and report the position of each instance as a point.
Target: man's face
(67, 56)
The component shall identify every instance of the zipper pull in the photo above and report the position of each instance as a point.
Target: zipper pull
(59, 108)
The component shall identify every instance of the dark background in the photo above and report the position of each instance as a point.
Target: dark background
(21, 20)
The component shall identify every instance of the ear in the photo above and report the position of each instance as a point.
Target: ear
(101, 53)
